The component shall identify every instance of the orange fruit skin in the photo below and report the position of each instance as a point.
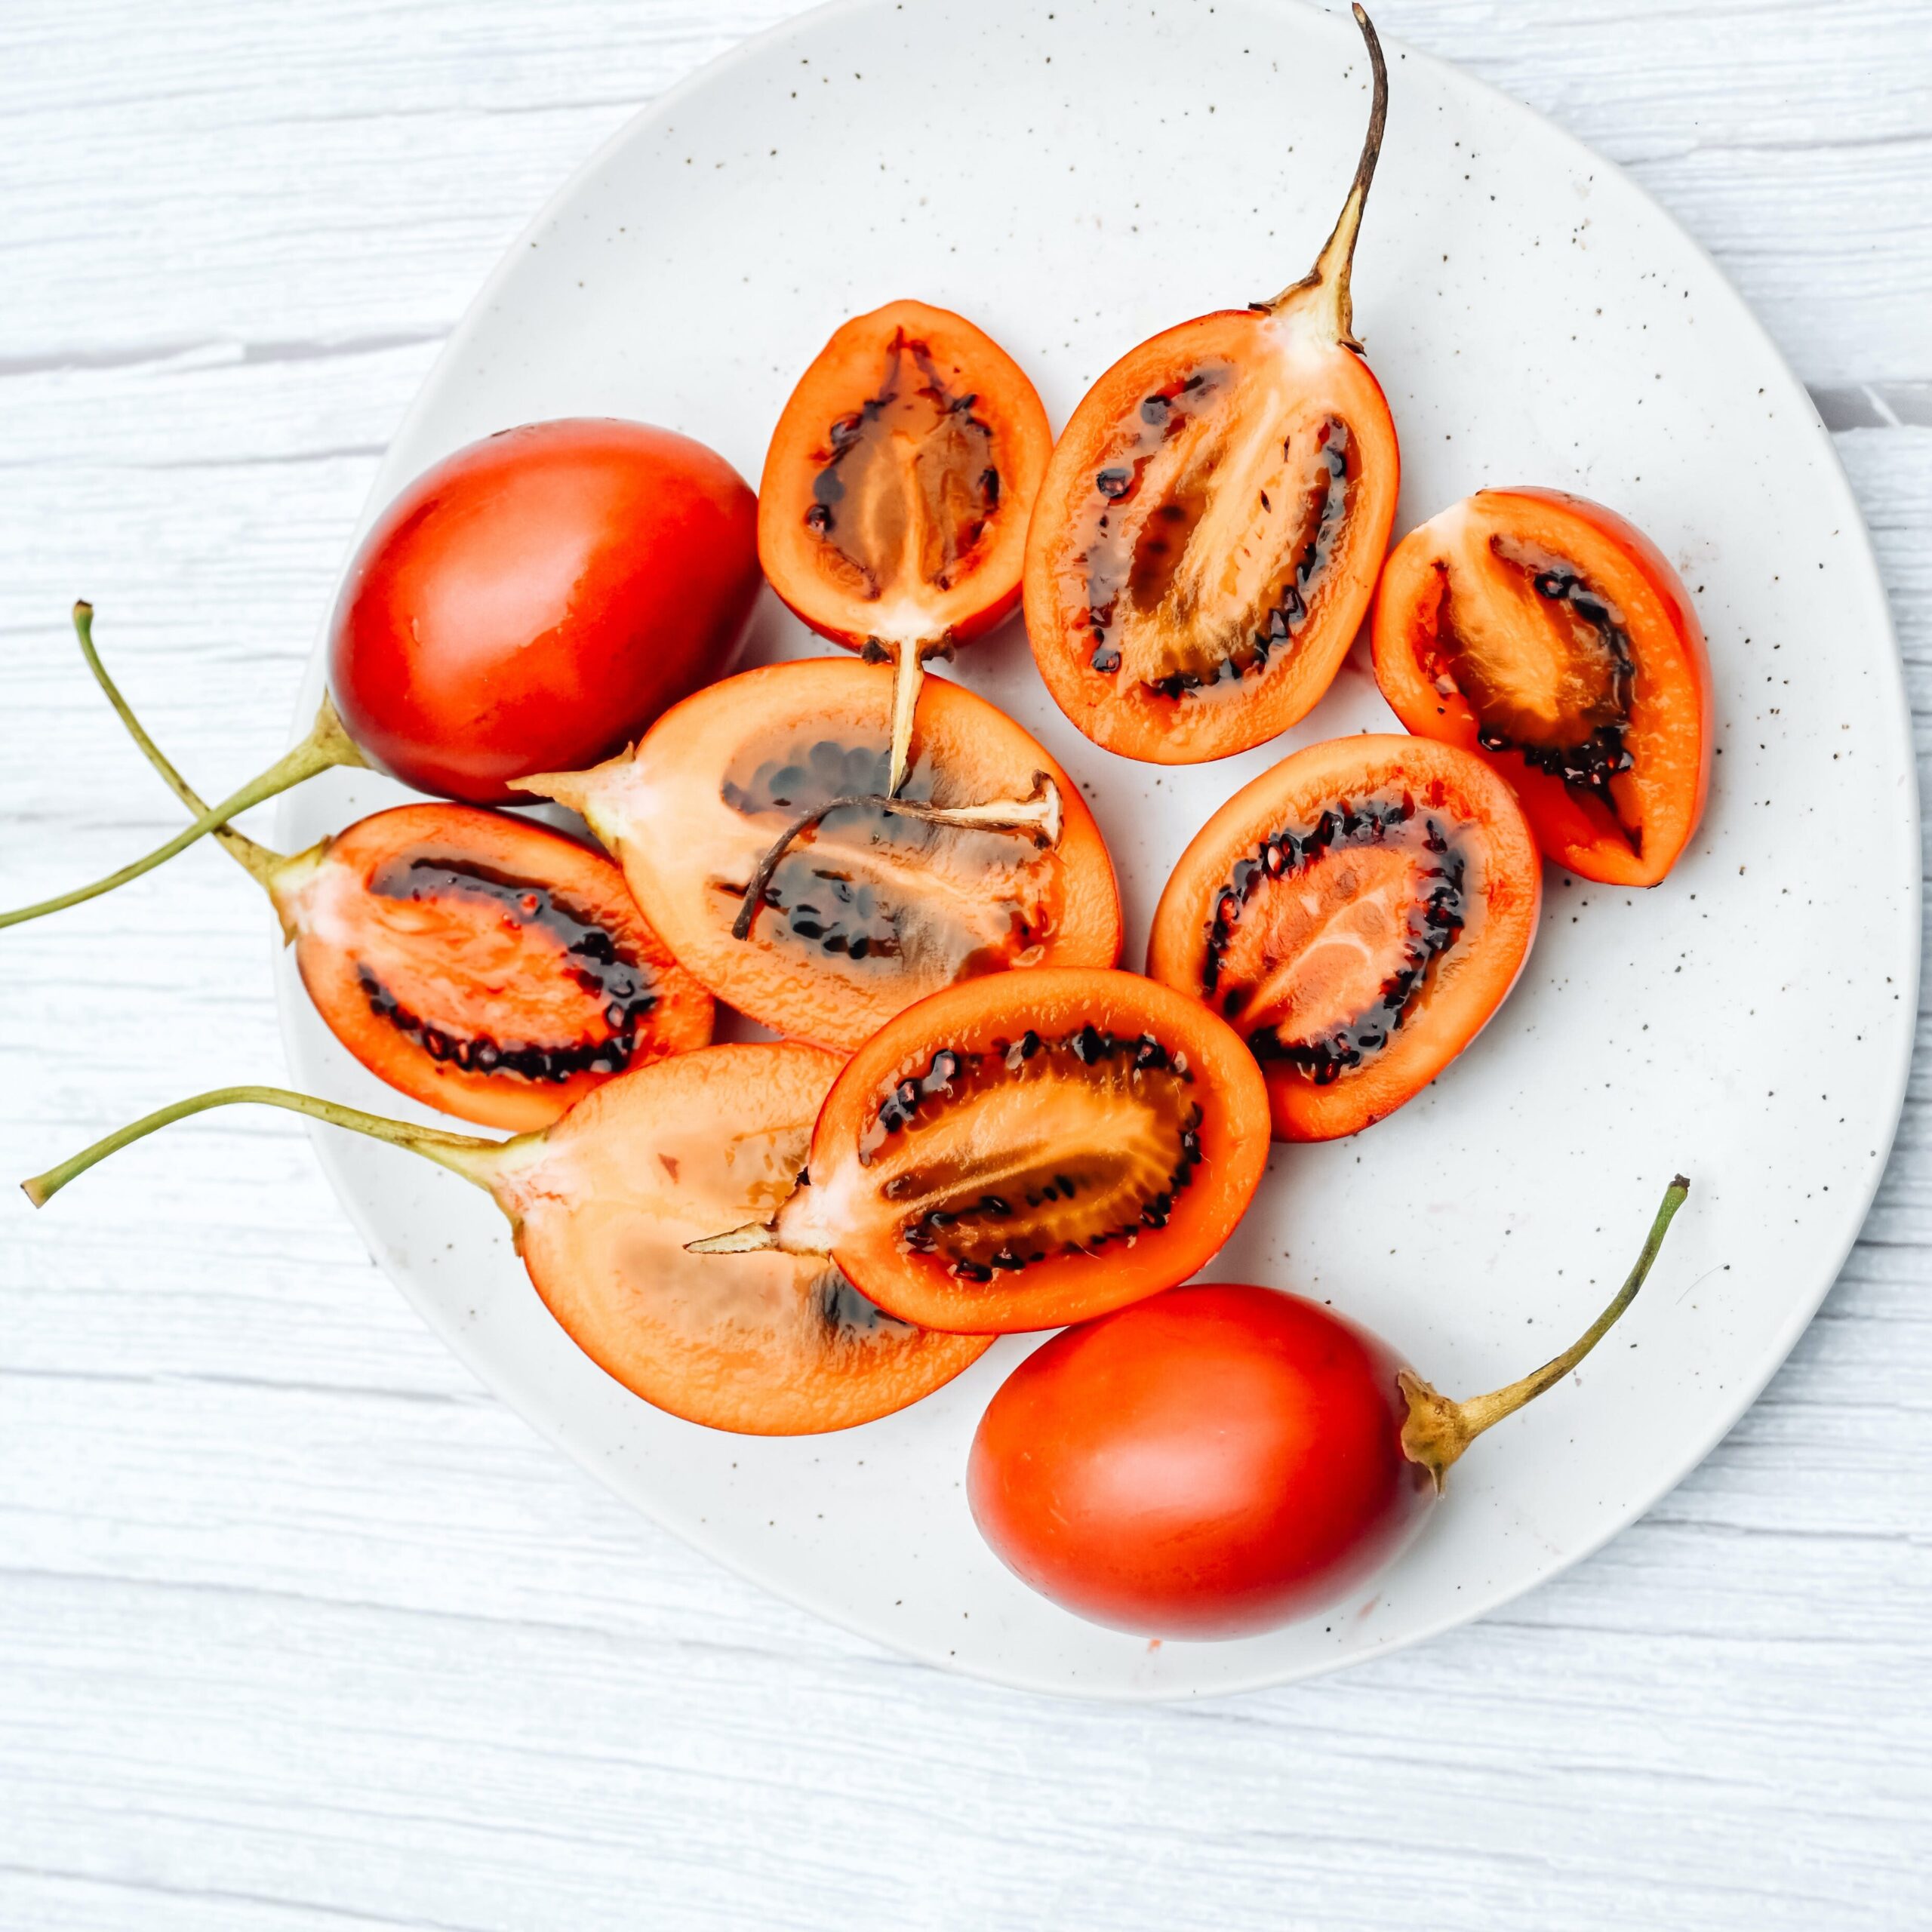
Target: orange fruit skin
(532, 602)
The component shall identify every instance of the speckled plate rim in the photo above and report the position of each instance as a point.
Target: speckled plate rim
(1858, 1202)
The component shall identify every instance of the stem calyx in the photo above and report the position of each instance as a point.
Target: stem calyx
(1437, 1430)
(1324, 291)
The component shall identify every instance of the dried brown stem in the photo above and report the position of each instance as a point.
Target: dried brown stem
(1327, 284)
(1038, 814)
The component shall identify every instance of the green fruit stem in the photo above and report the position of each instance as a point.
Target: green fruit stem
(328, 744)
(469, 1155)
(256, 859)
(1438, 1430)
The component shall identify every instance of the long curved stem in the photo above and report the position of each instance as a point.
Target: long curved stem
(328, 744)
(1327, 282)
(1039, 814)
(468, 1154)
(1438, 1430)
(253, 857)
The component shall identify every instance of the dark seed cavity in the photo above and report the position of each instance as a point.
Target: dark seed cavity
(1130, 578)
(953, 473)
(1092, 1197)
(824, 894)
(1586, 761)
(592, 957)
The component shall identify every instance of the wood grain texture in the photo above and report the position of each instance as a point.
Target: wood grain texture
(299, 1629)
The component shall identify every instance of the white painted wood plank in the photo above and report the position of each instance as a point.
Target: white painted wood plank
(298, 1628)
(358, 162)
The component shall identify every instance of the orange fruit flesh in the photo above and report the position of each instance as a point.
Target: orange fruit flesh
(483, 964)
(1314, 953)
(1028, 1152)
(1358, 913)
(904, 489)
(1535, 670)
(1205, 561)
(1029, 1149)
(886, 894)
(470, 954)
(1207, 536)
(867, 911)
(764, 1343)
(1549, 635)
(899, 479)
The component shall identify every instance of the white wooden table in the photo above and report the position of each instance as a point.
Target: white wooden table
(300, 1630)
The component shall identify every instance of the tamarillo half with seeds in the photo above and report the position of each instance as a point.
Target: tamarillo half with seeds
(1207, 538)
(1544, 634)
(1356, 915)
(755, 825)
(1026, 1149)
(892, 513)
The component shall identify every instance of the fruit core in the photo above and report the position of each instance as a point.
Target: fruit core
(906, 484)
(993, 1161)
(692, 1176)
(1320, 943)
(1207, 534)
(877, 892)
(442, 941)
(1544, 659)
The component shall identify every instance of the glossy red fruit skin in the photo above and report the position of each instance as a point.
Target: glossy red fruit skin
(1211, 1462)
(533, 602)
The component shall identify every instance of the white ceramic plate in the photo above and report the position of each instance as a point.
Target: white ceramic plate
(1074, 179)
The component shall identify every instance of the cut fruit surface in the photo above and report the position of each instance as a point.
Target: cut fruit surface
(1207, 536)
(1356, 914)
(1549, 636)
(899, 481)
(482, 964)
(868, 909)
(1030, 1149)
(766, 1344)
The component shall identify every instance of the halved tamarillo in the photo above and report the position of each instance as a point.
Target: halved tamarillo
(478, 963)
(1218, 1461)
(604, 1203)
(1029, 1149)
(1356, 915)
(1548, 636)
(893, 511)
(533, 601)
(755, 828)
(1207, 538)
